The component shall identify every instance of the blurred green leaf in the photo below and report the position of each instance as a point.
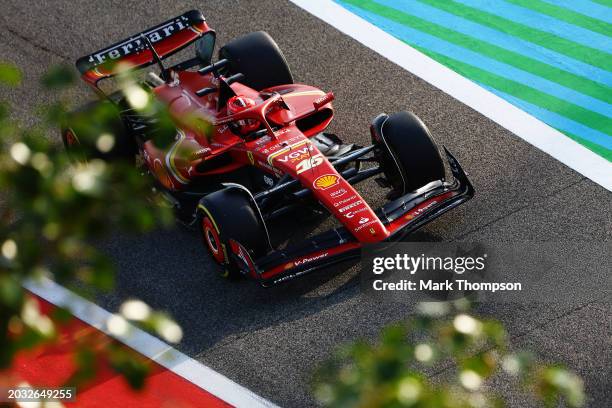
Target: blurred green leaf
(385, 374)
(55, 206)
(61, 315)
(4, 111)
(86, 363)
(11, 295)
(58, 77)
(10, 75)
(132, 368)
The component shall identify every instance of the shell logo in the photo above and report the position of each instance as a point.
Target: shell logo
(326, 181)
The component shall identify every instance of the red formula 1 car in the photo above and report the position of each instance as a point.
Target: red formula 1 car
(251, 147)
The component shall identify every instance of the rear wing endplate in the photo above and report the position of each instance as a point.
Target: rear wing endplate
(167, 38)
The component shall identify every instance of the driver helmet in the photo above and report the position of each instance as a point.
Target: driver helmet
(237, 104)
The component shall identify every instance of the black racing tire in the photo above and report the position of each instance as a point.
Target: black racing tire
(83, 127)
(408, 153)
(258, 57)
(230, 213)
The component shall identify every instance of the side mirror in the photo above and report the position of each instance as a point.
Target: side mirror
(204, 48)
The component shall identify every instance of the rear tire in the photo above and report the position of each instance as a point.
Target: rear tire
(407, 152)
(227, 214)
(84, 127)
(259, 58)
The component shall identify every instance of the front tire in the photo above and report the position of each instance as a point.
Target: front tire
(227, 214)
(407, 152)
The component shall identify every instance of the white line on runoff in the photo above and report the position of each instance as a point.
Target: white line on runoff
(150, 346)
(497, 109)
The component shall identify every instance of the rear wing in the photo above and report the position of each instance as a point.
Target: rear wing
(167, 38)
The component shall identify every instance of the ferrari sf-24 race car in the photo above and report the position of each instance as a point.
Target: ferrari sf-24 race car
(254, 149)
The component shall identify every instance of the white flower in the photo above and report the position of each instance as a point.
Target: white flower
(470, 379)
(135, 310)
(20, 153)
(423, 352)
(466, 324)
(105, 142)
(117, 325)
(9, 249)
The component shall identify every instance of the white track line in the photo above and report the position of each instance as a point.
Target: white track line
(497, 109)
(150, 346)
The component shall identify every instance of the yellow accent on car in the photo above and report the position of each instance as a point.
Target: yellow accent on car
(170, 159)
(326, 181)
(201, 207)
(285, 150)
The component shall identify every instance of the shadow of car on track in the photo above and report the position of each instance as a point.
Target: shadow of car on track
(171, 271)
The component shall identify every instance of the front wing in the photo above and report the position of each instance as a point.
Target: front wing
(401, 217)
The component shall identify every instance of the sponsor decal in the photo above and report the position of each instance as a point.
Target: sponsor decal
(363, 220)
(420, 211)
(351, 205)
(262, 140)
(338, 193)
(351, 214)
(365, 225)
(287, 142)
(344, 201)
(311, 259)
(285, 149)
(267, 166)
(282, 132)
(326, 181)
(200, 153)
(251, 159)
(296, 155)
(305, 260)
(261, 144)
(268, 180)
(323, 100)
(309, 163)
(242, 256)
(136, 44)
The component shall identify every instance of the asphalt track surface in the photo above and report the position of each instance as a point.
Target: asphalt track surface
(270, 340)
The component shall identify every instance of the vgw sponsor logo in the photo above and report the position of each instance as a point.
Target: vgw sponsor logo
(296, 155)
